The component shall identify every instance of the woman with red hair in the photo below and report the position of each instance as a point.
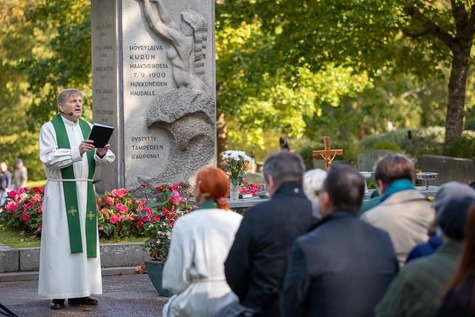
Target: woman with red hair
(200, 243)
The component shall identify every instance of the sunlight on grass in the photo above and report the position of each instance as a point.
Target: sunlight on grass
(32, 184)
(16, 239)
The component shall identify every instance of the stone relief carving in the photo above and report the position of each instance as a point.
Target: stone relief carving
(187, 113)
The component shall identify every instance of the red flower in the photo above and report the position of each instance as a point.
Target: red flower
(25, 217)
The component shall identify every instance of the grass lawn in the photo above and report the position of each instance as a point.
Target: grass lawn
(16, 239)
(32, 184)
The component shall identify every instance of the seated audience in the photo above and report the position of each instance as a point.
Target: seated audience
(343, 266)
(459, 300)
(419, 288)
(404, 212)
(194, 269)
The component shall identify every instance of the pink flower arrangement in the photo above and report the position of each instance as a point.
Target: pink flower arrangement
(249, 188)
(163, 207)
(23, 210)
(117, 213)
(120, 214)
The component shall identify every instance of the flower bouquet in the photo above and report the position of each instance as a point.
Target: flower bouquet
(235, 162)
(249, 188)
(162, 207)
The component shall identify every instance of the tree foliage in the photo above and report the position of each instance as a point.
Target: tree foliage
(17, 44)
(377, 37)
(65, 60)
(303, 68)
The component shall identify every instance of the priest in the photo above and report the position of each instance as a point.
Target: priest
(70, 266)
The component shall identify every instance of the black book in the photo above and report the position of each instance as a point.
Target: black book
(100, 134)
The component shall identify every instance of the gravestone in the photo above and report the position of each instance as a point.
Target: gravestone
(449, 168)
(367, 160)
(153, 71)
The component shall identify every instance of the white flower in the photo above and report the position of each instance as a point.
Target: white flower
(236, 156)
(236, 163)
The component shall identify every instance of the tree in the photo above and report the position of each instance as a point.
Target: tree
(18, 40)
(259, 95)
(67, 58)
(414, 37)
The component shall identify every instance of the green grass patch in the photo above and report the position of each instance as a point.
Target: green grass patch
(32, 184)
(16, 239)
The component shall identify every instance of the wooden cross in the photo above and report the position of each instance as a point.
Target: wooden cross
(327, 153)
(90, 215)
(72, 211)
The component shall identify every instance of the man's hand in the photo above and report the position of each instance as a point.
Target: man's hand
(86, 146)
(101, 151)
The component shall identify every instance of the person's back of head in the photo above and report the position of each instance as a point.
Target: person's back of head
(393, 167)
(344, 186)
(284, 166)
(449, 191)
(452, 216)
(313, 183)
(213, 184)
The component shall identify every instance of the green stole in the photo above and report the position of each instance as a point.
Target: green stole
(70, 193)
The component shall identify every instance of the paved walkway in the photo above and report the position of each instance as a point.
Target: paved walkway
(130, 295)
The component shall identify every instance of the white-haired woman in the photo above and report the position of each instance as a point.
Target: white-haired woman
(312, 186)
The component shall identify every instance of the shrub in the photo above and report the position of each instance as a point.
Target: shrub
(23, 210)
(117, 214)
(463, 146)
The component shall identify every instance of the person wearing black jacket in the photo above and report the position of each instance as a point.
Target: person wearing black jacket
(256, 264)
(343, 266)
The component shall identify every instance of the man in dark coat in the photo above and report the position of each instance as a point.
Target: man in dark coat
(344, 265)
(257, 261)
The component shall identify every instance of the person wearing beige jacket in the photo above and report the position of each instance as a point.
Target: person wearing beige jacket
(403, 212)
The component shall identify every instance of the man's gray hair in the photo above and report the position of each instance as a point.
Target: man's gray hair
(284, 166)
(64, 95)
